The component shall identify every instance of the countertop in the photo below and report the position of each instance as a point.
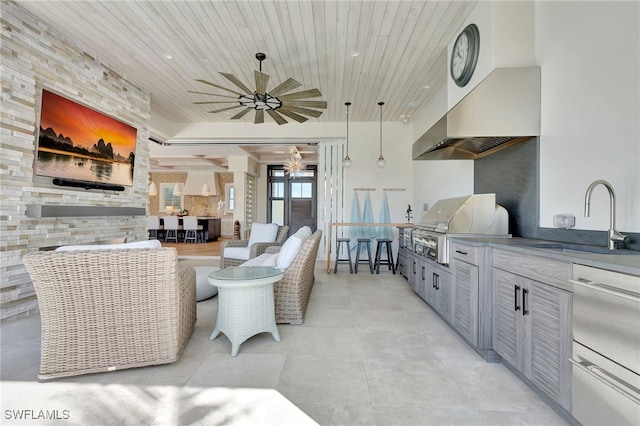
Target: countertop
(625, 261)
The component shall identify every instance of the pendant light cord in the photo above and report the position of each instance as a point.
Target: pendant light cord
(380, 103)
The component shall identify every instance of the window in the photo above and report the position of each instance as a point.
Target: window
(169, 202)
(230, 195)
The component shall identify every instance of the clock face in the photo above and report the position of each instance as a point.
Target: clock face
(464, 55)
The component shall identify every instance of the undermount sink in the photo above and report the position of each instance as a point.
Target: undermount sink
(569, 247)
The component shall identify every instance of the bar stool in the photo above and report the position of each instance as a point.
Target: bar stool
(339, 243)
(192, 231)
(367, 243)
(171, 228)
(384, 244)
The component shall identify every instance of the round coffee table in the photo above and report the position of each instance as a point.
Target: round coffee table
(245, 303)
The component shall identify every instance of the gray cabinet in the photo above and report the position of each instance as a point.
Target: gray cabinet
(432, 282)
(473, 296)
(532, 321)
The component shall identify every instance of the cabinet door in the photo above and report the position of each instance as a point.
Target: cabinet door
(445, 294)
(413, 273)
(548, 347)
(508, 324)
(465, 299)
(430, 284)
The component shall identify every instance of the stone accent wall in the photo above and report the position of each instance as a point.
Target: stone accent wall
(35, 56)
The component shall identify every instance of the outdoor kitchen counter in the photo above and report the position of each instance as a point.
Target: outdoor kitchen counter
(624, 261)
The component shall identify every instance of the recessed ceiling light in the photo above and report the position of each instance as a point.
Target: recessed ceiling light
(413, 104)
(167, 56)
(354, 53)
(426, 87)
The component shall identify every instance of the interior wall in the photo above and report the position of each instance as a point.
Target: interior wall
(589, 54)
(35, 56)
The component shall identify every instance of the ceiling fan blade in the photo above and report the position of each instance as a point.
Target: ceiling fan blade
(226, 109)
(212, 94)
(241, 113)
(285, 86)
(220, 87)
(311, 93)
(307, 104)
(305, 111)
(291, 114)
(277, 117)
(262, 80)
(234, 80)
(259, 118)
(214, 102)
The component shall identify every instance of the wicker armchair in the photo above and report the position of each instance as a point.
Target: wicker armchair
(104, 310)
(292, 292)
(255, 250)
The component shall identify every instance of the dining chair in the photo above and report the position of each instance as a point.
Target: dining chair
(171, 228)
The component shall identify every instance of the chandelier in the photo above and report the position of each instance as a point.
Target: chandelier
(295, 166)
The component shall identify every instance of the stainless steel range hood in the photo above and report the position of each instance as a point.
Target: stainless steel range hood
(500, 111)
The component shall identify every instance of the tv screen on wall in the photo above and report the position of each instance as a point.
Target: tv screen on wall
(78, 143)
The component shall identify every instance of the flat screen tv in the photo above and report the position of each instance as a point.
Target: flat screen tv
(80, 144)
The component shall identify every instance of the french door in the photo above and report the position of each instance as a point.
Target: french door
(293, 200)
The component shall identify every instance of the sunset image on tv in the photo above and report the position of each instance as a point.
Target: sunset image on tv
(76, 142)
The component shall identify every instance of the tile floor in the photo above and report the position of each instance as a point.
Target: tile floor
(370, 352)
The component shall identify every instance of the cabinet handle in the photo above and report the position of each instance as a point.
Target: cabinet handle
(516, 289)
(524, 301)
(461, 252)
(436, 281)
(414, 266)
(423, 273)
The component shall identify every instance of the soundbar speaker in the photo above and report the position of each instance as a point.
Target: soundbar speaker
(87, 185)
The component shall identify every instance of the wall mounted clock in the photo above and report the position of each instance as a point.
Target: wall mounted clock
(464, 55)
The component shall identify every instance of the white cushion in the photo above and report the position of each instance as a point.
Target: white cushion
(204, 290)
(263, 233)
(242, 253)
(303, 233)
(137, 244)
(289, 251)
(265, 259)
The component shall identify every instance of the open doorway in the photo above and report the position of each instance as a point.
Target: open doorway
(293, 200)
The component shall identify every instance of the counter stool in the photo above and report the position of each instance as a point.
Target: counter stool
(339, 243)
(367, 243)
(384, 244)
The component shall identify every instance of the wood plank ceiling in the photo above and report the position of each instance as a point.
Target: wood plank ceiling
(359, 51)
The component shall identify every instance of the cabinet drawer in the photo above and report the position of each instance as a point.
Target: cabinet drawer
(464, 252)
(540, 269)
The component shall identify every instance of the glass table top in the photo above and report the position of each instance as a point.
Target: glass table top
(245, 273)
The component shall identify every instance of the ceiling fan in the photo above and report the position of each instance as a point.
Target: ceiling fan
(276, 102)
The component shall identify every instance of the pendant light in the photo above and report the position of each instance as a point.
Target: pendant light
(206, 191)
(177, 189)
(347, 160)
(153, 189)
(381, 161)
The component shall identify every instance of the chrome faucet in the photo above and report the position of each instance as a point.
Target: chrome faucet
(614, 235)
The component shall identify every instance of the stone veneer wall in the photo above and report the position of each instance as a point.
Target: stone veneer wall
(35, 56)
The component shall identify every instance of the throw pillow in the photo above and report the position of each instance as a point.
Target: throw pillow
(288, 252)
(304, 232)
(263, 233)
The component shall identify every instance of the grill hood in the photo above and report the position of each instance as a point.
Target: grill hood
(500, 111)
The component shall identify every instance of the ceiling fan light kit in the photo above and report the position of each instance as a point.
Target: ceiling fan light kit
(347, 160)
(277, 102)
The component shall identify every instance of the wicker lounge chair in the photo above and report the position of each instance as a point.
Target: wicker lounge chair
(292, 292)
(104, 310)
(255, 250)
